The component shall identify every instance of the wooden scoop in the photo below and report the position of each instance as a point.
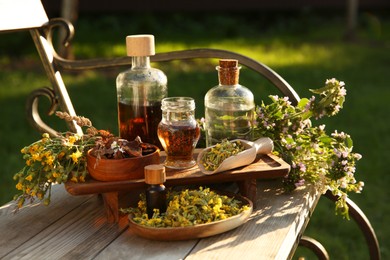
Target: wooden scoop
(263, 145)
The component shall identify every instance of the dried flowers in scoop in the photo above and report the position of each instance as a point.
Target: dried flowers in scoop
(213, 158)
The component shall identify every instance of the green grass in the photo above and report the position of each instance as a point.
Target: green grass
(305, 49)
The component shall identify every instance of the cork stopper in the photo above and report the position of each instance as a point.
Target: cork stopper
(155, 174)
(228, 63)
(228, 72)
(140, 45)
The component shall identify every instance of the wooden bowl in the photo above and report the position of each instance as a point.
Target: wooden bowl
(193, 232)
(120, 169)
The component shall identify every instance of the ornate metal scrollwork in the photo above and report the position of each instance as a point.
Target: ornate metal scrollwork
(33, 113)
(316, 247)
(364, 225)
(59, 22)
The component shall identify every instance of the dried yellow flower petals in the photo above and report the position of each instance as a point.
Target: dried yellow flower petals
(19, 186)
(188, 208)
(212, 159)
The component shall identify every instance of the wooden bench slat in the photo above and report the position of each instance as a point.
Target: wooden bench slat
(32, 219)
(130, 246)
(80, 232)
(272, 230)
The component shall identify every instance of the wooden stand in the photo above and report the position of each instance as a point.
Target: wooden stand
(264, 167)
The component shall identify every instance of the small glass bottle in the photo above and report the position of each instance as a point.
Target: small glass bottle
(229, 107)
(178, 131)
(140, 91)
(156, 194)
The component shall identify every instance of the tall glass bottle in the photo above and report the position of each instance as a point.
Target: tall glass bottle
(140, 91)
(229, 106)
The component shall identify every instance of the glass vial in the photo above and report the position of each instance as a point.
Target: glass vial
(140, 91)
(156, 194)
(229, 106)
(178, 131)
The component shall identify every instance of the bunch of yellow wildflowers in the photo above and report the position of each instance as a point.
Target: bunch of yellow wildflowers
(55, 160)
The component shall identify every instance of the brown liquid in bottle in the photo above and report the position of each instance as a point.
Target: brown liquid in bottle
(179, 141)
(140, 121)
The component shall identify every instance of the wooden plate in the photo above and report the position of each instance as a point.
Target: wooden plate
(193, 232)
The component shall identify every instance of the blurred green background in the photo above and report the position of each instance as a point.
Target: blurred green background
(305, 48)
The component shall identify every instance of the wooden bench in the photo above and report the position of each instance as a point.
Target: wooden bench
(30, 15)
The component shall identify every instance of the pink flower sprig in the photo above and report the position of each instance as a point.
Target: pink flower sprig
(327, 161)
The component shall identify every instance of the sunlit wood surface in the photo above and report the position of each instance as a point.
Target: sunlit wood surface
(76, 227)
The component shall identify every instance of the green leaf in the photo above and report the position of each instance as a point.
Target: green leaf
(279, 114)
(307, 115)
(302, 103)
(349, 142)
(341, 101)
(326, 139)
(319, 91)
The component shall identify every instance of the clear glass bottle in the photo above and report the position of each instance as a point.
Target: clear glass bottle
(156, 194)
(140, 91)
(229, 106)
(178, 131)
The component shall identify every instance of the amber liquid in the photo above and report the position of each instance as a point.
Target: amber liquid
(179, 142)
(140, 121)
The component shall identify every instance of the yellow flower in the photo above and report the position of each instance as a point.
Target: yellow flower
(36, 157)
(34, 148)
(28, 162)
(56, 174)
(75, 156)
(72, 139)
(74, 179)
(50, 159)
(19, 186)
(29, 178)
(82, 179)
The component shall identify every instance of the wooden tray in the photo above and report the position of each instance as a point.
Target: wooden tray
(264, 167)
